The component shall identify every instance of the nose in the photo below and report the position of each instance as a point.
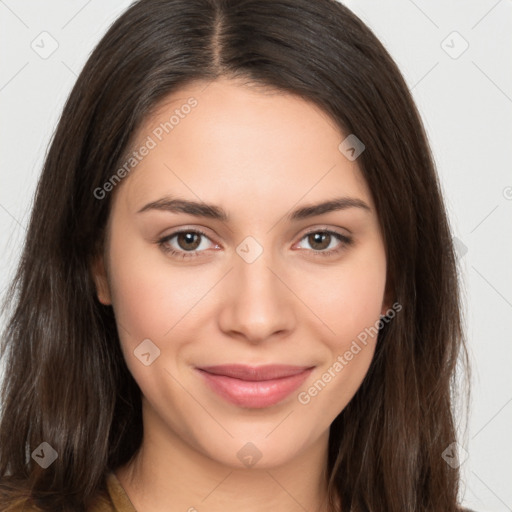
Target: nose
(257, 305)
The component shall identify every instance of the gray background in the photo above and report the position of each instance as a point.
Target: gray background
(465, 98)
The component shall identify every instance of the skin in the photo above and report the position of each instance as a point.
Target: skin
(258, 154)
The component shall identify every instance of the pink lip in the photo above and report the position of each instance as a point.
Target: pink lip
(254, 386)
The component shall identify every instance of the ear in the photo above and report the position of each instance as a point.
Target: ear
(100, 278)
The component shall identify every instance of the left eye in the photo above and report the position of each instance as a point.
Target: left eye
(324, 242)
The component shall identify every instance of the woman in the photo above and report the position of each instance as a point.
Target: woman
(238, 288)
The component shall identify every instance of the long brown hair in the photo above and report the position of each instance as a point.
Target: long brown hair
(66, 382)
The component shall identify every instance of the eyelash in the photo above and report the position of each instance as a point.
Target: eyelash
(345, 242)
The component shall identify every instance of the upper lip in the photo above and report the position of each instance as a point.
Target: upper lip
(255, 373)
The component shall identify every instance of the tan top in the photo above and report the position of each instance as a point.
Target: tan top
(116, 501)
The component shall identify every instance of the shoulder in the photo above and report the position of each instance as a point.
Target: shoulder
(107, 500)
(100, 504)
(14, 498)
(112, 499)
(120, 500)
(19, 505)
(115, 499)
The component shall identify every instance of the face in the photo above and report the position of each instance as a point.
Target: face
(237, 314)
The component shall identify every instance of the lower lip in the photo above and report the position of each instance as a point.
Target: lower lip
(254, 394)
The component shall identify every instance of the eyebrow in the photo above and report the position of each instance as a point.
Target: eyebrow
(200, 209)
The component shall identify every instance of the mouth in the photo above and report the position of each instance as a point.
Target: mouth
(254, 387)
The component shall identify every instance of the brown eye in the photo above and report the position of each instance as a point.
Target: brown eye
(319, 241)
(188, 241)
(326, 242)
(185, 244)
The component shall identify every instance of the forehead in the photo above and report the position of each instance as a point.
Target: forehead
(227, 141)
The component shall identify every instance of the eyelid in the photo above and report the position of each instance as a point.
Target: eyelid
(327, 229)
(161, 241)
(207, 233)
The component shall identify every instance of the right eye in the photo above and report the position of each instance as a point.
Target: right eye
(186, 243)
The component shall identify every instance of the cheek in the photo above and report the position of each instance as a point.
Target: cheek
(353, 315)
(153, 300)
(150, 297)
(347, 298)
